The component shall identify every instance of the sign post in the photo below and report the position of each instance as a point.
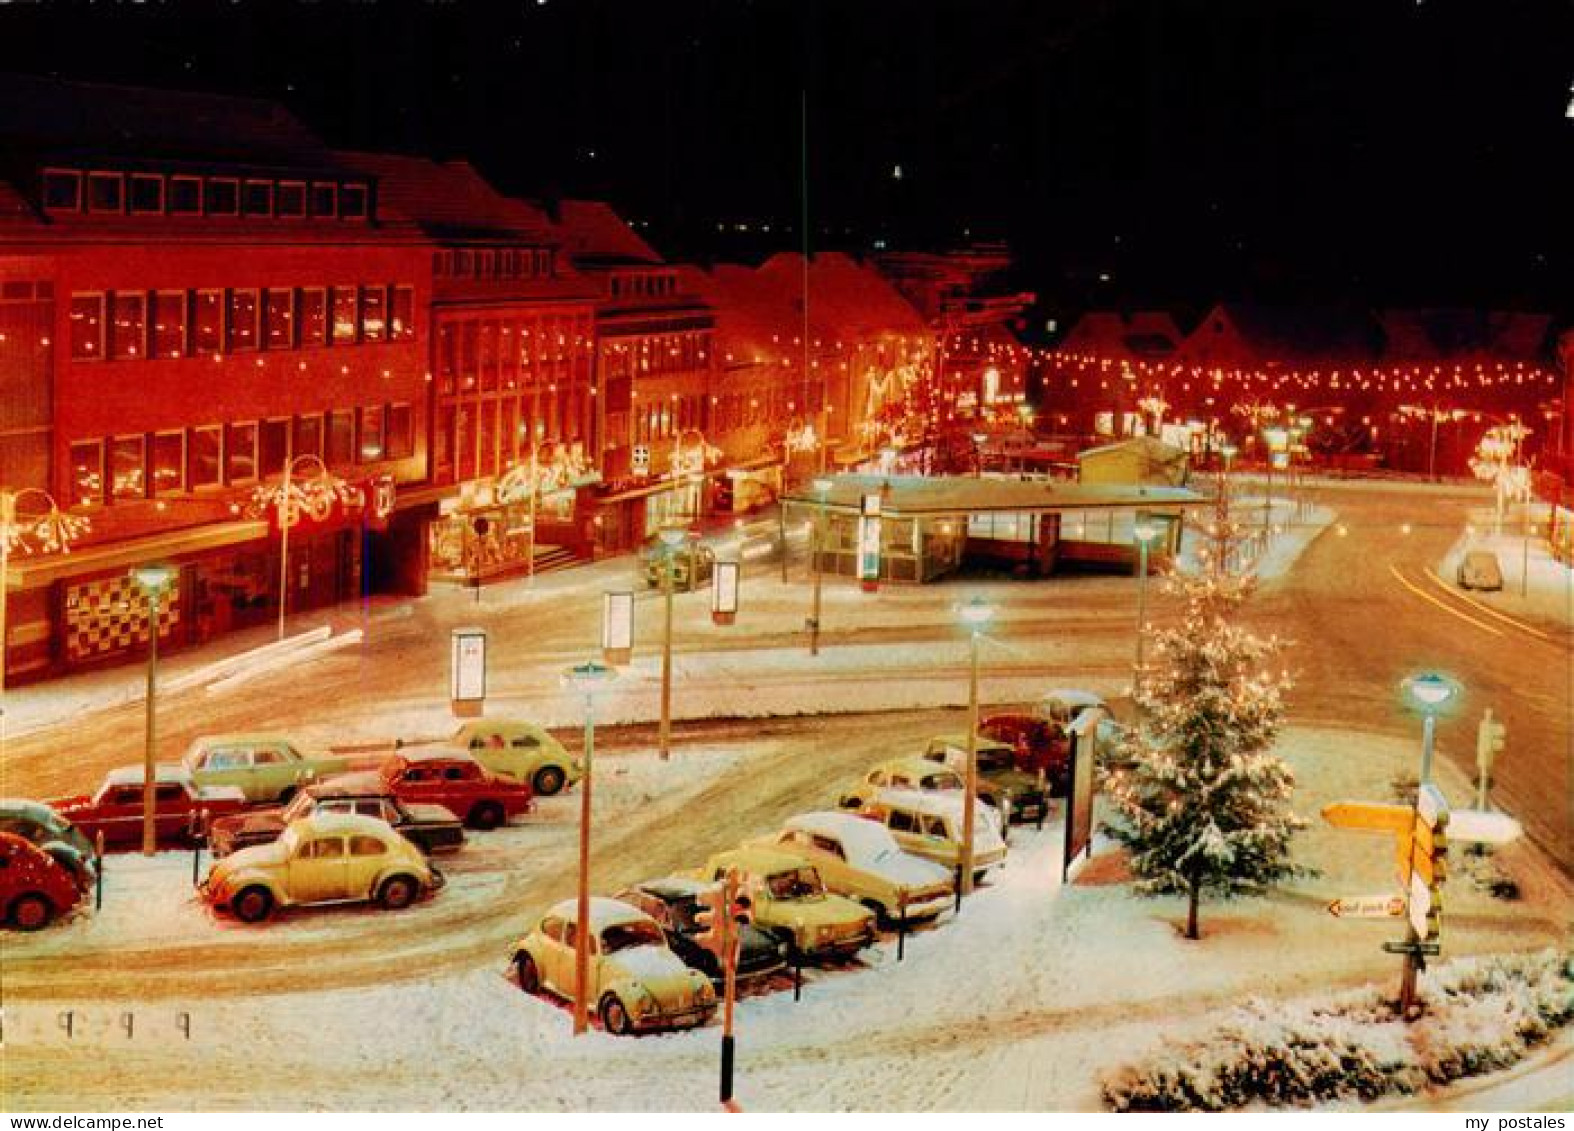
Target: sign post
(467, 672)
(1079, 797)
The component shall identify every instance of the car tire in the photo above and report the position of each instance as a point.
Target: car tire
(486, 815)
(614, 1017)
(527, 973)
(253, 904)
(30, 911)
(398, 892)
(548, 781)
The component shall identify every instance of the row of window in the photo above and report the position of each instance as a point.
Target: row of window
(486, 436)
(644, 285)
(161, 464)
(656, 353)
(493, 263)
(129, 325)
(486, 354)
(669, 419)
(189, 194)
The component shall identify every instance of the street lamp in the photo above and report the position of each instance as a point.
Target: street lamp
(822, 488)
(1278, 439)
(587, 679)
(976, 615)
(46, 532)
(314, 494)
(1429, 694)
(1145, 533)
(672, 536)
(154, 581)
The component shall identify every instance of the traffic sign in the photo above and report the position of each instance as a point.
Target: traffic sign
(1367, 907)
(1421, 908)
(1372, 816)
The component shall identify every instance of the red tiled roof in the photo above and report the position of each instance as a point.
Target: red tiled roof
(591, 230)
(449, 200)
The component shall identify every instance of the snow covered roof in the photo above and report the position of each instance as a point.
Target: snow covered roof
(861, 838)
(162, 772)
(325, 823)
(957, 496)
(604, 911)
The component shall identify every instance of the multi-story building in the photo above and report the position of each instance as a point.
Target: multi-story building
(195, 295)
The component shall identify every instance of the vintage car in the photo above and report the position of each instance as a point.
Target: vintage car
(265, 767)
(326, 858)
(900, 773)
(520, 751)
(40, 825)
(930, 825)
(1066, 705)
(861, 860)
(635, 981)
(692, 564)
(457, 782)
(1478, 569)
(1041, 745)
(674, 901)
(34, 886)
(1001, 785)
(179, 806)
(789, 901)
(431, 828)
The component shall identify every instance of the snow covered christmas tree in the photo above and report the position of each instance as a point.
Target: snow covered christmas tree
(1200, 801)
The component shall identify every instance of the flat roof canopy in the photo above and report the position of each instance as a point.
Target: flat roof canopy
(958, 495)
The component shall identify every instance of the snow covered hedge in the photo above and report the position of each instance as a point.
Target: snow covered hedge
(1482, 1014)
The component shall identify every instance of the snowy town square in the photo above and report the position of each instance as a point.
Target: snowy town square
(759, 559)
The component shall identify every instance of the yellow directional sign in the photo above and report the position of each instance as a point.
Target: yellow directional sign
(1372, 816)
(1367, 907)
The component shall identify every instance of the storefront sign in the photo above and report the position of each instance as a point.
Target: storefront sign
(467, 671)
(724, 593)
(617, 627)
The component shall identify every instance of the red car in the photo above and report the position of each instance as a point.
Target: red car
(1040, 745)
(460, 784)
(34, 886)
(116, 809)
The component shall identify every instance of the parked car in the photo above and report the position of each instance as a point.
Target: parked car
(457, 782)
(41, 826)
(265, 767)
(900, 773)
(1040, 745)
(178, 806)
(1013, 792)
(326, 858)
(861, 860)
(692, 564)
(520, 751)
(674, 901)
(930, 825)
(34, 886)
(1478, 569)
(1066, 705)
(789, 901)
(635, 981)
(431, 828)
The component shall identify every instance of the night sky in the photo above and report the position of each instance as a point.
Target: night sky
(1165, 153)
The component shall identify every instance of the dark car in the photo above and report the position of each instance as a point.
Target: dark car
(1000, 783)
(673, 902)
(431, 828)
(1040, 744)
(42, 827)
(34, 887)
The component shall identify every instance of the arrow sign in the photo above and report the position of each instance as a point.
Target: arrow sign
(1420, 905)
(1367, 907)
(1370, 815)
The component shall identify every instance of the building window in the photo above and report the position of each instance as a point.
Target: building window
(87, 471)
(341, 438)
(62, 190)
(485, 261)
(240, 453)
(279, 319)
(314, 317)
(243, 321)
(259, 198)
(205, 454)
(185, 196)
(325, 198)
(223, 197)
(273, 448)
(289, 201)
(400, 441)
(343, 315)
(127, 326)
(169, 463)
(308, 435)
(464, 263)
(105, 192)
(208, 322)
(147, 194)
(374, 315)
(352, 202)
(169, 324)
(372, 434)
(402, 327)
(126, 467)
(87, 327)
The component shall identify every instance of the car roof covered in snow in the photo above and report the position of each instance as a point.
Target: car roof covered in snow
(758, 861)
(674, 887)
(948, 804)
(328, 824)
(862, 839)
(1073, 697)
(604, 911)
(162, 772)
(436, 754)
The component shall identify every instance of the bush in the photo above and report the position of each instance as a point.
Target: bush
(1483, 1014)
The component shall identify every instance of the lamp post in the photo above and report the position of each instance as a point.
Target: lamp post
(1145, 533)
(45, 532)
(587, 679)
(314, 494)
(975, 614)
(154, 581)
(1277, 439)
(672, 536)
(822, 488)
(1429, 694)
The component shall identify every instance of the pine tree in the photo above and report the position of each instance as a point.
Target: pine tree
(1199, 799)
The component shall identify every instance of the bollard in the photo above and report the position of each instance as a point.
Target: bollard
(901, 926)
(958, 882)
(98, 879)
(797, 974)
(726, 1068)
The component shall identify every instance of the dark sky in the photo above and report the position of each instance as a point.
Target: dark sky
(1166, 152)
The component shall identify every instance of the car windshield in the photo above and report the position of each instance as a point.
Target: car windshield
(941, 781)
(625, 936)
(801, 883)
(683, 912)
(992, 759)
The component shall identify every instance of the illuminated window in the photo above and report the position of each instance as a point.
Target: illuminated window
(169, 324)
(402, 327)
(314, 317)
(400, 439)
(289, 201)
(62, 190)
(87, 327)
(244, 312)
(341, 438)
(278, 315)
(185, 196)
(372, 434)
(87, 471)
(204, 454)
(374, 324)
(169, 463)
(240, 453)
(308, 435)
(208, 322)
(105, 192)
(222, 197)
(344, 315)
(147, 194)
(127, 475)
(127, 326)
